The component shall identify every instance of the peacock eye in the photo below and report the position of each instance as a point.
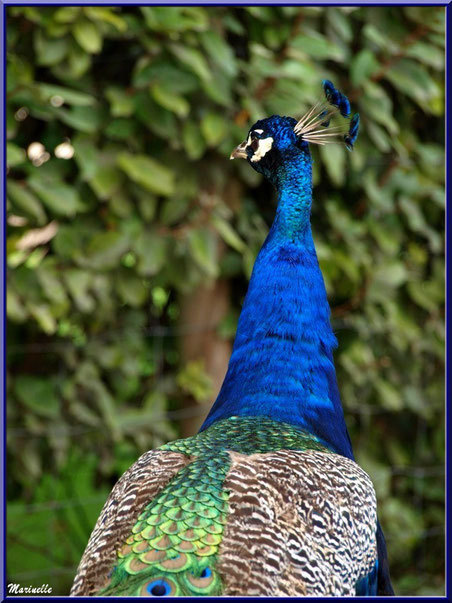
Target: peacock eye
(206, 572)
(199, 582)
(159, 588)
(255, 144)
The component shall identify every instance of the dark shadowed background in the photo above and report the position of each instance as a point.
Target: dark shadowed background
(131, 237)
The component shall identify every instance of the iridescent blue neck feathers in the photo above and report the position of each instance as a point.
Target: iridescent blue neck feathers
(282, 361)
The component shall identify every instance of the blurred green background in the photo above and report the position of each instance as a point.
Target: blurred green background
(131, 237)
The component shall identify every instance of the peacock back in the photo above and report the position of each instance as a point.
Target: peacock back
(248, 505)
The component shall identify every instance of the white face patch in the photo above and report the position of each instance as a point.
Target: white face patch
(265, 144)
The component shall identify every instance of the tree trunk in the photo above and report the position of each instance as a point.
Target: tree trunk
(201, 313)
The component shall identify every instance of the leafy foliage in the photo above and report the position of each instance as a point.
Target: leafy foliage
(122, 201)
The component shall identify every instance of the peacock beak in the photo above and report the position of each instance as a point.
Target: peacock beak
(239, 152)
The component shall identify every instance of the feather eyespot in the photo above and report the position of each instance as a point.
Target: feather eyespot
(159, 587)
(202, 580)
(206, 573)
(159, 590)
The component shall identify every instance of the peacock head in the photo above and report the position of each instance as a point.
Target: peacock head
(272, 141)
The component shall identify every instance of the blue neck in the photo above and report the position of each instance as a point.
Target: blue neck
(282, 361)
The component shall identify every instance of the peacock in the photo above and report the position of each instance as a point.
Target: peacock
(266, 500)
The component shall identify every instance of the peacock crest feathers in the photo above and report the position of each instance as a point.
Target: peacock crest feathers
(314, 126)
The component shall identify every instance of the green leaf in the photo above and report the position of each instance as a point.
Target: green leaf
(79, 283)
(388, 239)
(38, 394)
(131, 289)
(97, 168)
(166, 74)
(170, 19)
(69, 240)
(413, 79)
(263, 13)
(378, 106)
(305, 72)
(386, 278)
(168, 99)
(121, 103)
(428, 295)
(342, 24)
(233, 24)
(88, 36)
(214, 128)
(105, 250)
(107, 15)
(193, 380)
(203, 246)
(318, 46)
(228, 234)
(418, 223)
(89, 379)
(51, 284)
(393, 274)
(407, 519)
(15, 155)
(56, 30)
(434, 16)
(49, 51)
(105, 181)
(219, 52)
(363, 66)
(84, 119)
(333, 155)
(15, 309)
(151, 251)
(85, 155)
(218, 88)
(173, 210)
(379, 473)
(389, 395)
(380, 38)
(379, 137)
(155, 118)
(58, 196)
(19, 72)
(427, 54)
(121, 129)
(193, 140)
(69, 96)
(43, 316)
(276, 38)
(147, 172)
(78, 63)
(193, 59)
(67, 14)
(120, 203)
(147, 204)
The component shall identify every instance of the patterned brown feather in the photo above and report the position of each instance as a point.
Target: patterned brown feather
(299, 524)
(140, 484)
